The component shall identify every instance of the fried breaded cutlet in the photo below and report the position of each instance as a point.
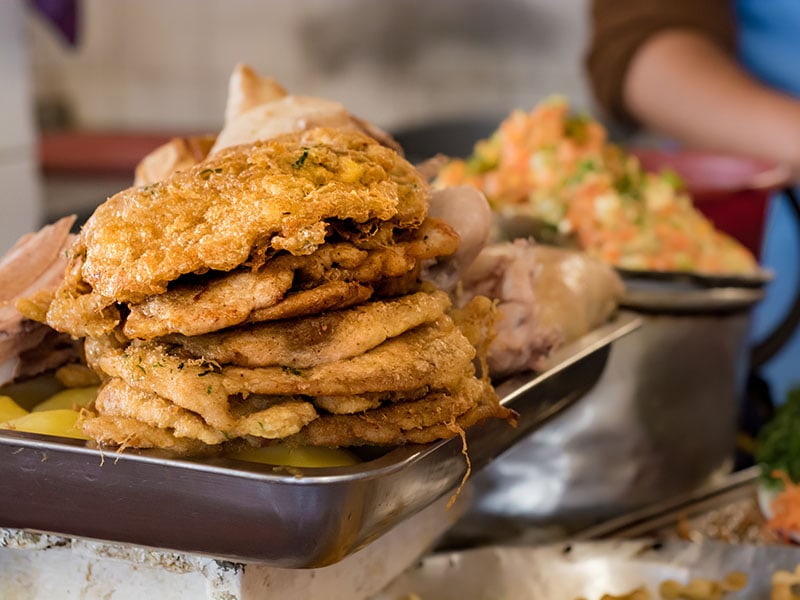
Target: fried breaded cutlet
(436, 355)
(279, 194)
(316, 339)
(248, 296)
(402, 387)
(271, 292)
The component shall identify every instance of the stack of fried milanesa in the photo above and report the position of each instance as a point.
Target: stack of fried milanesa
(271, 292)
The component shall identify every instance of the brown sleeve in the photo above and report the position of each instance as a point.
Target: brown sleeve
(621, 27)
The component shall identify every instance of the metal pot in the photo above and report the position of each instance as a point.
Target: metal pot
(661, 420)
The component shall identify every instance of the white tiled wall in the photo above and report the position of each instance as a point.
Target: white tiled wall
(164, 64)
(19, 185)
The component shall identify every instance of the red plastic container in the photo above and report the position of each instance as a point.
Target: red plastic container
(731, 191)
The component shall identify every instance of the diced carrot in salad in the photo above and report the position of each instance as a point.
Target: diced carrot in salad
(560, 169)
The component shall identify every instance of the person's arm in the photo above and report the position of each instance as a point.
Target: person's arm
(683, 84)
(671, 65)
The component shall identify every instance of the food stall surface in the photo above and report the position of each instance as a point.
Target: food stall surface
(35, 566)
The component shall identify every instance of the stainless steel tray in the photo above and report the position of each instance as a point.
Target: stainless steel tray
(294, 518)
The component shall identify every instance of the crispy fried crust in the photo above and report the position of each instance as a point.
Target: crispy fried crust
(209, 306)
(487, 408)
(82, 314)
(279, 193)
(125, 432)
(347, 405)
(351, 404)
(397, 423)
(197, 305)
(334, 295)
(274, 419)
(314, 340)
(118, 399)
(435, 355)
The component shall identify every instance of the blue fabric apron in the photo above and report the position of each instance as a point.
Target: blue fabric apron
(769, 48)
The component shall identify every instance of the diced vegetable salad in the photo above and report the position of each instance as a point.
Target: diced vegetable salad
(560, 170)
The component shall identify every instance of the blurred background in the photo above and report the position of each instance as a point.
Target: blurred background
(128, 74)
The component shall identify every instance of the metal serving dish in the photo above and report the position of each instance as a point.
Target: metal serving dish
(294, 518)
(757, 279)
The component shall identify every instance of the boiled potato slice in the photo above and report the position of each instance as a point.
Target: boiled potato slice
(10, 409)
(30, 392)
(74, 398)
(59, 422)
(302, 456)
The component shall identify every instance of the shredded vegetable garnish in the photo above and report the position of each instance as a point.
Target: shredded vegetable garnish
(560, 170)
(785, 507)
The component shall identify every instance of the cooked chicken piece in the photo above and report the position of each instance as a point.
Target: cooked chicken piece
(575, 292)
(23, 267)
(477, 320)
(275, 419)
(429, 168)
(124, 432)
(117, 399)
(347, 405)
(335, 270)
(436, 416)
(49, 350)
(280, 194)
(81, 313)
(547, 296)
(487, 408)
(258, 108)
(467, 211)
(209, 306)
(334, 295)
(508, 273)
(317, 339)
(75, 375)
(435, 355)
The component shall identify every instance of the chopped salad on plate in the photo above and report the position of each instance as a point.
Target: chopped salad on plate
(558, 170)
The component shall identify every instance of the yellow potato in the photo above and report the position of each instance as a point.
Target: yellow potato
(74, 398)
(303, 456)
(30, 392)
(10, 409)
(59, 422)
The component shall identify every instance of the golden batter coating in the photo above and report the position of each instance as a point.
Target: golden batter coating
(348, 405)
(281, 193)
(269, 418)
(124, 432)
(436, 355)
(334, 295)
(318, 339)
(197, 308)
(402, 422)
(117, 399)
(209, 303)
